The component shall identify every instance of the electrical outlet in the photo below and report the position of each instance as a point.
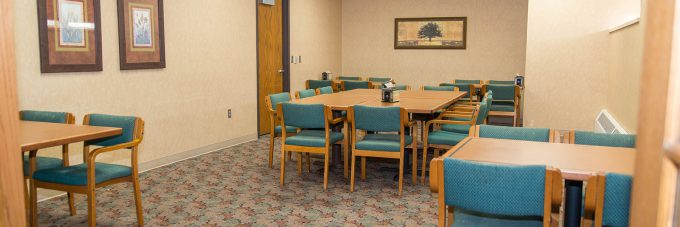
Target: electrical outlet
(229, 113)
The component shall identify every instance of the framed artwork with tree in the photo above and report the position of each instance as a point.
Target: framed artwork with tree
(430, 33)
(141, 38)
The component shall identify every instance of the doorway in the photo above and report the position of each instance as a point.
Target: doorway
(273, 51)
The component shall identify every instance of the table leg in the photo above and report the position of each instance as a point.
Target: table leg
(33, 210)
(573, 203)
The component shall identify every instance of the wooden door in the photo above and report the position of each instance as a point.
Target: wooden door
(270, 57)
(12, 206)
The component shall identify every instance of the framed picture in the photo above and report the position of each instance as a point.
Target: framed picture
(430, 33)
(140, 34)
(70, 36)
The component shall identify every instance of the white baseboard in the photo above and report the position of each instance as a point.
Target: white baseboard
(154, 164)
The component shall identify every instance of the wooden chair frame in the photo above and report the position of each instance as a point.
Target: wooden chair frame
(273, 119)
(515, 114)
(70, 119)
(314, 150)
(440, 121)
(551, 134)
(594, 200)
(405, 123)
(552, 198)
(89, 158)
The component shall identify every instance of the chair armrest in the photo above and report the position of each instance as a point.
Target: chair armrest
(337, 120)
(93, 154)
(454, 114)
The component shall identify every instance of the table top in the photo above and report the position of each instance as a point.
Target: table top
(412, 101)
(577, 162)
(39, 135)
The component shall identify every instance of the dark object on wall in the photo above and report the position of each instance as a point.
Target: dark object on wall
(430, 33)
(141, 34)
(519, 80)
(70, 36)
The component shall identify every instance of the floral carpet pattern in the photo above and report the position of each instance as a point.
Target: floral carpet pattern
(234, 187)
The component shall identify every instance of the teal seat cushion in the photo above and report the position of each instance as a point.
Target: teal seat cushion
(383, 142)
(502, 107)
(442, 137)
(313, 138)
(288, 129)
(43, 163)
(463, 129)
(77, 174)
(469, 218)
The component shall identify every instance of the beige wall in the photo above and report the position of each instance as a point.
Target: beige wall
(211, 66)
(567, 60)
(496, 45)
(623, 76)
(315, 27)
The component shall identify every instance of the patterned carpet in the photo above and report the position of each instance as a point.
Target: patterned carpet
(234, 187)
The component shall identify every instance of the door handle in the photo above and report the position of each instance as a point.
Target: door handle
(282, 71)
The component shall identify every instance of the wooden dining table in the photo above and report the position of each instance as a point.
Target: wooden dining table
(38, 135)
(576, 162)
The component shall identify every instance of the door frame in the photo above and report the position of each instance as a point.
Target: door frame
(285, 23)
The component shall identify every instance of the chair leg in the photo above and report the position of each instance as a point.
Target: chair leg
(325, 171)
(363, 168)
(34, 204)
(436, 153)
(290, 156)
(345, 149)
(352, 170)
(271, 151)
(401, 172)
(138, 201)
(71, 204)
(299, 163)
(91, 207)
(309, 162)
(422, 172)
(27, 194)
(283, 165)
(414, 167)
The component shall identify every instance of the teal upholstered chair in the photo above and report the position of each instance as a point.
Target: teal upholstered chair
(504, 82)
(607, 200)
(451, 128)
(324, 90)
(275, 128)
(467, 81)
(305, 93)
(506, 101)
(485, 194)
(402, 87)
(86, 177)
(314, 84)
(349, 78)
(380, 120)
(514, 133)
(601, 139)
(379, 79)
(48, 162)
(348, 85)
(469, 88)
(315, 136)
(439, 88)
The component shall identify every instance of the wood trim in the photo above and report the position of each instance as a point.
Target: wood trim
(649, 207)
(12, 193)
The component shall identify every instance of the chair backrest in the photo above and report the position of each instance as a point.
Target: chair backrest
(349, 78)
(132, 128)
(47, 116)
(514, 133)
(305, 93)
(602, 139)
(274, 99)
(467, 81)
(349, 85)
(305, 116)
(314, 84)
(483, 112)
(502, 92)
(439, 88)
(379, 79)
(616, 207)
(506, 82)
(325, 90)
(495, 189)
(402, 87)
(377, 119)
